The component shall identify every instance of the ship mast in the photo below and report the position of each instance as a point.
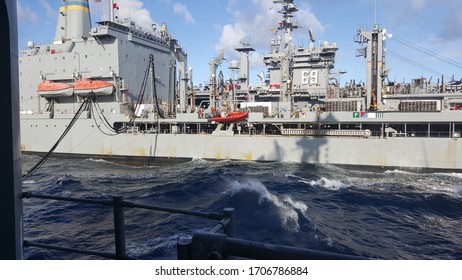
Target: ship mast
(287, 25)
(375, 57)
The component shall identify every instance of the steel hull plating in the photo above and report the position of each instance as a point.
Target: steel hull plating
(409, 152)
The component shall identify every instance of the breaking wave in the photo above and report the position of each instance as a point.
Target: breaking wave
(289, 210)
(371, 212)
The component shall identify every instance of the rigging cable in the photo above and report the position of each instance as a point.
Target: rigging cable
(68, 128)
(151, 60)
(91, 103)
(102, 119)
(97, 111)
(436, 55)
(412, 62)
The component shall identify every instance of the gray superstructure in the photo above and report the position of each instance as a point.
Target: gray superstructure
(298, 113)
(113, 51)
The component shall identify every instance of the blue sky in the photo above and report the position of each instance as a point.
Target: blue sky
(204, 27)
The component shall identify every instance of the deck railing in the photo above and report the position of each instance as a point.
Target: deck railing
(225, 222)
(202, 245)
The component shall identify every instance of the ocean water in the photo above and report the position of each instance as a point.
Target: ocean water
(367, 212)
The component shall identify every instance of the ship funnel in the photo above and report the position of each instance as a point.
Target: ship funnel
(73, 21)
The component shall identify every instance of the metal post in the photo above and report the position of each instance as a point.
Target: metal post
(11, 235)
(111, 10)
(184, 250)
(230, 227)
(119, 228)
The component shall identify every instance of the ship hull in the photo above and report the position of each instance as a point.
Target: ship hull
(39, 136)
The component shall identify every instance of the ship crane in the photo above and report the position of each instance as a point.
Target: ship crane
(181, 57)
(214, 63)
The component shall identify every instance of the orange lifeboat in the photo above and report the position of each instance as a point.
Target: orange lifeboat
(231, 117)
(52, 89)
(85, 86)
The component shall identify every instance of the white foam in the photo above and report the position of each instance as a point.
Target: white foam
(289, 175)
(299, 205)
(199, 160)
(444, 189)
(458, 190)
(334, 185)
(99, 160)
(397, 171)
(453, 175)
(329, 184)
(287, 207)
(28, 182)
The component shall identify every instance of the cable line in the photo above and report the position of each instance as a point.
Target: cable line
(68, 128)
(436, 55)
(91, 104)
(414, 63)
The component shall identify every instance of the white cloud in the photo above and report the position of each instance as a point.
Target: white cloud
(25, 13)
(307, 19)
(247, 25)
(256, 60)
(255, 23)
(133, 9)
(182, 10)
(231, 35)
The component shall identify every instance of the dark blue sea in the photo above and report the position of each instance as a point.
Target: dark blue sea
(367, 212)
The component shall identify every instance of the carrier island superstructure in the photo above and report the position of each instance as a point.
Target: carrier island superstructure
(124, 92)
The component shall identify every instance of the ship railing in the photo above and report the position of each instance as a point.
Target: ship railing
(226, 222)
(326, 132)
(216, 246)
(217, 243)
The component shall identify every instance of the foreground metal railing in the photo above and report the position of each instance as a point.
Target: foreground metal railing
(203, 245)
(226, 222)
(209, 245)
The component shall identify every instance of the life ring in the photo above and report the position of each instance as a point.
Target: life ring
(367, 133)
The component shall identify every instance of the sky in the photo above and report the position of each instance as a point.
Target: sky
(426, 35)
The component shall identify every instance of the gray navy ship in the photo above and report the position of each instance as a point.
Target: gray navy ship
(119, 91)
